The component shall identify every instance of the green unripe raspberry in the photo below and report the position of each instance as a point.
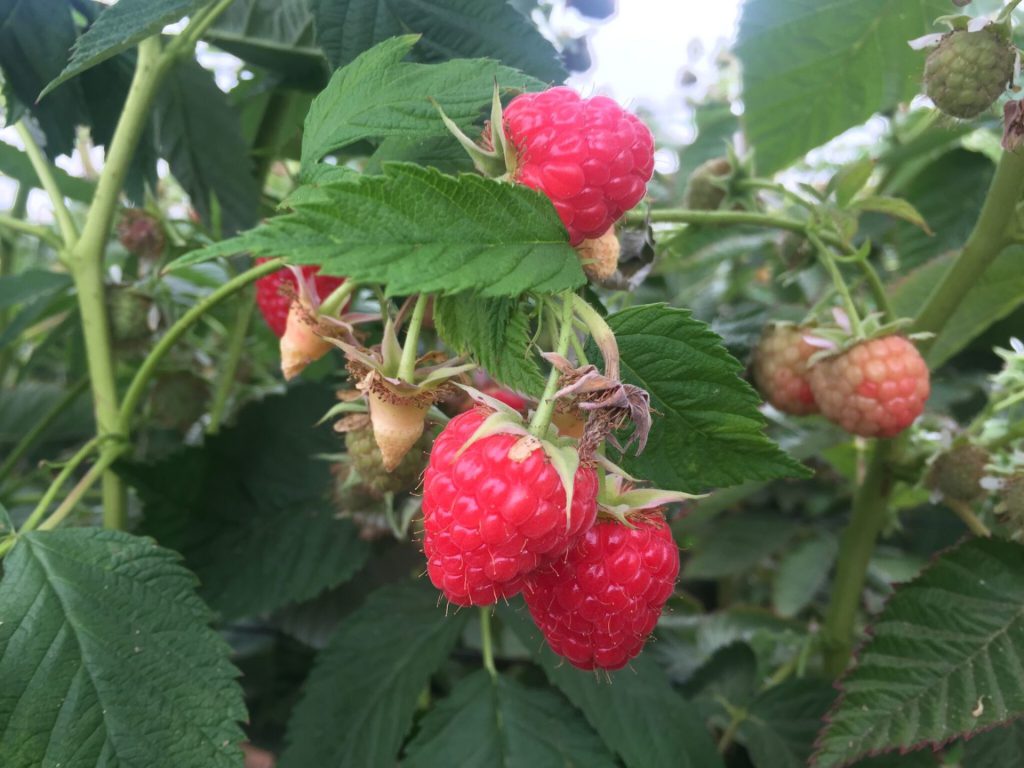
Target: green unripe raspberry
(702, 191)
(969, 71)
(178, 399)
(957, 473)
(368, 463)
(1010, 509)
(128, 311)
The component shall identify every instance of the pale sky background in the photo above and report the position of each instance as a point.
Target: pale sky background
(638, 56)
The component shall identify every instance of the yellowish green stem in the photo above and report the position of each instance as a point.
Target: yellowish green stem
(546, 407)
(44, 171)
(410, 347)
(487, 642)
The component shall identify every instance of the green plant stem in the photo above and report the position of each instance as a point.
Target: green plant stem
(66, 471)
(410, 347)
(229, 365)
(726, 218)
(87, 266)
(333, 303)
(990, 236)
(8, 254)
(779, 189)
(185, 42)
(546, 407)
(877, 288)
(1007, 11)
(870, 511)
(148, 368)
(14, 225)
(44, 171)
(486, 642)
(729, 734)
(827, 261)
(30, 437)
(76, 493)
(971, 520)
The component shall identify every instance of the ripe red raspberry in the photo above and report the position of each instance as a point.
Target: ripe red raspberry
(592, 158)
(597, 606)
(274, 302)
(875, 389)
(488, 519)
(780, 369)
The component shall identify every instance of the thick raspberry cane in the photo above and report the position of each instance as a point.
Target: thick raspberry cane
(598, 605)
(490, 518)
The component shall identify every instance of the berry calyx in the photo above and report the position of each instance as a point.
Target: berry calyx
(780, 369)
(875, 389)
(969, 71)
(600, 256)
(276, 291)
(494, 509)
(598, 605)
(591, 157)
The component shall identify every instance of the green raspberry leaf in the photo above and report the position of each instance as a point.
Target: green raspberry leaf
(638, 715)
(107, 658)
(945, 658)
(379, 95)
(417, 230)
(489, 722)
(261, 532)
(450, 28)
(496, 333)
(834, 70)
(361, 695)
(998, 748)
(707, 430)
(119, 28)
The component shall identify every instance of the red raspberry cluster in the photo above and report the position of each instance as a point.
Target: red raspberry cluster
(495, 525)
(876, 388)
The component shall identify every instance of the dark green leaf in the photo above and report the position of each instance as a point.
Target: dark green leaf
(249, 509)
(486, 723)
(782, 722)
(15, 163)
(998, 292)
(380, 95)
(450, 29)
(497, 333)
(851, 179)
(832, 72)
(945, 659)
(31, 284)
(200, 135)
(35, 36)
(737, 543)
(725, 682)
(708, 431)
(6, 526)
(276, 35)
(802, 572)
(417, 230)
(895, 207)
(22, 406)
(107, 658)
(360, 698)
(638, 715)
(1000, 748)
(119, 28)
(437, 152)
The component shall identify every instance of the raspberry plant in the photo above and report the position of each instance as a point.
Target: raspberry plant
(495, 483)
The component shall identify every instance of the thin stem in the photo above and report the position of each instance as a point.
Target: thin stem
(971, 520)
(16, 226)
(870, 510)
(825, 257)
(779, 189)
(1009, 9)
(726, 218)
(149, 366)
(729, 734)
(333, 303)
(29, 439)
(877, 288)
(410, 347)
(200, 22)
(76, 493)
(8, 257)
(986, 242)
(44, 171)
(487, 642)
(58, 482)
(546, 407)
(229, 365)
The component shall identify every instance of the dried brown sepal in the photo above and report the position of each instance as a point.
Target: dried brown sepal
(352, 422)
(609, 404)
